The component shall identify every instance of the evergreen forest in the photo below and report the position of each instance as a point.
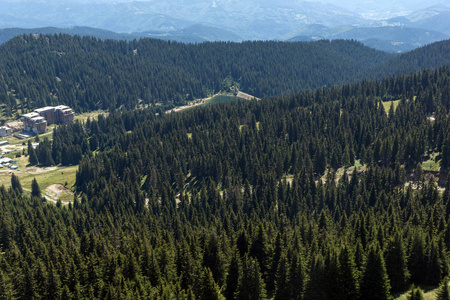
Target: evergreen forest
(89, 74)
(316, 192)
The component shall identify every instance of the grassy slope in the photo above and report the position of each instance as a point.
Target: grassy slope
(44, 176)
(429, 293)
(387, 105)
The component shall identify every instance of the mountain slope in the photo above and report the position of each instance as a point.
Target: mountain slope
(194, 33)
(385, 38)
(250, 19)
(89, 74)
(9, 33)
(430, 56)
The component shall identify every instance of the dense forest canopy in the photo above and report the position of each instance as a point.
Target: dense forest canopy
(88, 74)
(244, 200)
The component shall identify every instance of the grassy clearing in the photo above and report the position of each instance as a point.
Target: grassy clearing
(429, 293)
(387, 105)
(92, 115)
(432, 163)
(44, 176)
(221, 99)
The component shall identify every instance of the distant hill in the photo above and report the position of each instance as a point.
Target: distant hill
(430, 56)
(438, 22)
(433, 18)
(385, 38)
(8, 33)
(194, 33)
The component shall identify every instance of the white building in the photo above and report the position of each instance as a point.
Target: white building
(5, 131)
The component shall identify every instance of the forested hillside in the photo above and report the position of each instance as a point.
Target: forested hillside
(88, 74)
(196, 205)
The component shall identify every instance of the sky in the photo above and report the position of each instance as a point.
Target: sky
(364, 6)
(354, 5)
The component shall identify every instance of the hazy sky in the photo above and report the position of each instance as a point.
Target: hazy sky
(366, 7)
(391, 5)
(388, 6)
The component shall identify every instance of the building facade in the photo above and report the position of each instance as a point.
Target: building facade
(38, 120)
(34, 122)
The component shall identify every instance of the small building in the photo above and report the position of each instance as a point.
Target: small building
(5, 131)
(2, 143)
(5, 161)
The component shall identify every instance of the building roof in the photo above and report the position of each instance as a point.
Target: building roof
(30, 115)
(62, 107)
(5, 160)
(38, 119)
(44, 109)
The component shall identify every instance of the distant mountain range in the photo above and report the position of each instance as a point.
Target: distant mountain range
(224, 20)
(193, 34)
(386, 38)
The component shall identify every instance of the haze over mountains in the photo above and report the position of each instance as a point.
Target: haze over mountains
(398, 26)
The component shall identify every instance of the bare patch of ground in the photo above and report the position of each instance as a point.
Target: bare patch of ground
(246, 96)
(199, 102)
(56, 191)
(39, 170)
(191, 104)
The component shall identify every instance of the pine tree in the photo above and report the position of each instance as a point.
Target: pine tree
(28, 284)
(443, 292)
(35, 189)
(48, 160)
(415, 294)
(234, 276)
(417, 261)
(6, 288)
(348, 276)
(251, 286)
(282, 289)
(53, 285)
(213, 258)
(297, 275)
(15, 184)
(317, 287)
(396, 264)
(66, 294)
(260, 249)
(433, 271)
(32, 156)
(375, 282)
(209, 290)
(320, 161)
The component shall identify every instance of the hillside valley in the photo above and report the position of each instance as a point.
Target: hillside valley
(284, 170)
(39, 70)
